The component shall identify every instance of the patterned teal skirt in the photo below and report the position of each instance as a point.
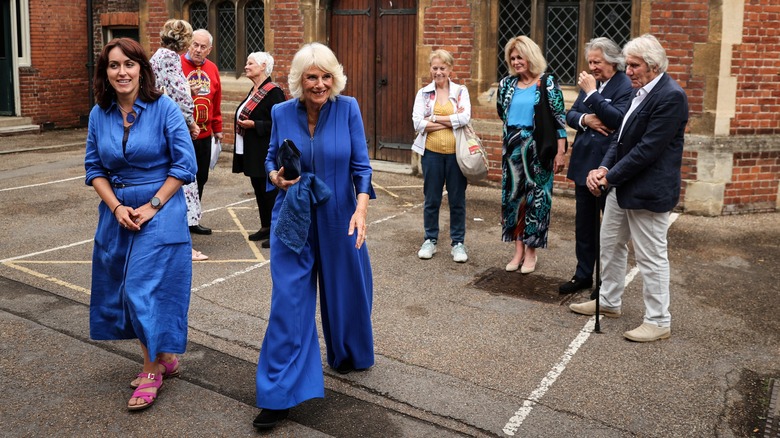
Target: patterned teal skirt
(526, 190)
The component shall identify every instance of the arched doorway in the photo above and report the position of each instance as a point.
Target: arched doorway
(375, 42)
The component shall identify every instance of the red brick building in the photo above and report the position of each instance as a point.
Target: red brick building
(725, 54)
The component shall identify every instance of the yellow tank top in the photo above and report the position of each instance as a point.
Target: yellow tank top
(443, 140)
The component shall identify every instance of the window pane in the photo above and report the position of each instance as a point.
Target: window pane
(226, 36)
(561, 40)
(612, 19)
(199, 17)
(255, 27)
(514, 19)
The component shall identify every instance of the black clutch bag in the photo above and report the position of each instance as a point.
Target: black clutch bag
(289, 157)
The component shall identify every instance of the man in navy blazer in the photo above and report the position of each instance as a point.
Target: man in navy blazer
(605, 94)
(642, 166)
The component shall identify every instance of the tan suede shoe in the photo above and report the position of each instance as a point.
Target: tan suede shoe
(648, 333)
(589, 308)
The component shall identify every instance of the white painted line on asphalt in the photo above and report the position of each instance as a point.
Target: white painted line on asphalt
(517, 420)
(42, 148)
(233, 275)
(42, 184)
(33, 254)
(549, 379)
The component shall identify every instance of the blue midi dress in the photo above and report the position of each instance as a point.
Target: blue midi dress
(141, 280)
(289, 369)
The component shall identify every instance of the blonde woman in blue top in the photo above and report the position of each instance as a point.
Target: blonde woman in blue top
(138, 155)
(330, 252)
(527, 179)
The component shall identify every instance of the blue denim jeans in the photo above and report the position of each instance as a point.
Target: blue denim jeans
(438, 170)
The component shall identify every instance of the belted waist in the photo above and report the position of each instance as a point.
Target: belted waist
(150, 176)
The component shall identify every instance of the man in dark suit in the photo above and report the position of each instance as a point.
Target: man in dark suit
(605, 94)
(643, 166)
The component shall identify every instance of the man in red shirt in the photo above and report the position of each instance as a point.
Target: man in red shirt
(203, 76)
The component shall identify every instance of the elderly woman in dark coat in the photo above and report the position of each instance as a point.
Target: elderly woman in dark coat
(253, 133)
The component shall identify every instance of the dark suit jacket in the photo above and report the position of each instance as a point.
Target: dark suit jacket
(644, 163)
(252, 162)
(609, 106)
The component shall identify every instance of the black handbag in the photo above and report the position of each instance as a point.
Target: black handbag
(545, 131)
(289, 157)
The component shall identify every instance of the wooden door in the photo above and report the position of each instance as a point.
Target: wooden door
(375, 42)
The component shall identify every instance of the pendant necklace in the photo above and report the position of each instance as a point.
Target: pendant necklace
(129, 116)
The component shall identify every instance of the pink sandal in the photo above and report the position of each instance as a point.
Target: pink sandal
(147, 397)
(171, 370)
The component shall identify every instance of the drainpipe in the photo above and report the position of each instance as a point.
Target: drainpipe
(90, 53)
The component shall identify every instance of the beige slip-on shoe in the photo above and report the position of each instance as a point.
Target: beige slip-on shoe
(648, 332)
(589, 308)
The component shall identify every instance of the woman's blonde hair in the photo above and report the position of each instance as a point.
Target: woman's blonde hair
(176, 35)
(529, 50)
(320, 56)
(443, 55)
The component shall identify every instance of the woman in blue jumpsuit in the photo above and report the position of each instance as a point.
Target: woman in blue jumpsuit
(328, 130)
(138, 155)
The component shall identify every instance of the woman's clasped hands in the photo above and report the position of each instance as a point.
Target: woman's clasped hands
(132, 218)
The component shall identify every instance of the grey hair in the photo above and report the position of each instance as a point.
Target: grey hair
(320, 56)
(609, 50)
(263, 58)
(205, 32)
(648, 48)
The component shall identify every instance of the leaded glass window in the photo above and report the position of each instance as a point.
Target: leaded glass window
(514, 19)
(612, 19)
(199, 17)
(226, 36)
(255, 27)
(561, 45)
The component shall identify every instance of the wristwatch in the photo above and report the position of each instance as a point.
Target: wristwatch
(155, 202)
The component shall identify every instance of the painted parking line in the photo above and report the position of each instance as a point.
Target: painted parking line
(8, 189)
(536, 395)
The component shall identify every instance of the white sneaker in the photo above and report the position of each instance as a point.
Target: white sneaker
(427, 250)
(459, 253)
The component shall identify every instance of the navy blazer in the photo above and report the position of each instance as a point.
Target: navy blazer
(644, 163)
(589, 145)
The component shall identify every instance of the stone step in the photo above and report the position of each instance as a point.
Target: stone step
(14, 121)
(20, 129)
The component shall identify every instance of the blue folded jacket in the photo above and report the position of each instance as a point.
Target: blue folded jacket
(294, 219)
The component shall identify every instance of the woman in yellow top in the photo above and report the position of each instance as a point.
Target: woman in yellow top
(439, 108)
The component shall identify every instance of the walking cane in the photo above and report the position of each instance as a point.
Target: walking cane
(596, 294)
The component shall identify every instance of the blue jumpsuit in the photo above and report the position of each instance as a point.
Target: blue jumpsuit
(141, 280)
(289, 370)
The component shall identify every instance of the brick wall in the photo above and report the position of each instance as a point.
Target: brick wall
(756, 63)
(287, 36)
(53, 89)
(448, 25)
(754, 184)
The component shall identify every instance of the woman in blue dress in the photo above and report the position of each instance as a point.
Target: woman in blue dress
(318, 231)
(138, 155)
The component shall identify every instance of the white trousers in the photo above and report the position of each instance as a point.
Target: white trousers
(647, 230)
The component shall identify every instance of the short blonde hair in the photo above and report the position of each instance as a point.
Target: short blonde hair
(176, 35)
(443, 55)
(263, 58)
(529, 50)
(320, 56)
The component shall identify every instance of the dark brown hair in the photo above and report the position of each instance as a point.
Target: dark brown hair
(104, 92)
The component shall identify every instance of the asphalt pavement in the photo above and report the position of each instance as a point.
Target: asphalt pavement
(462, 349)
